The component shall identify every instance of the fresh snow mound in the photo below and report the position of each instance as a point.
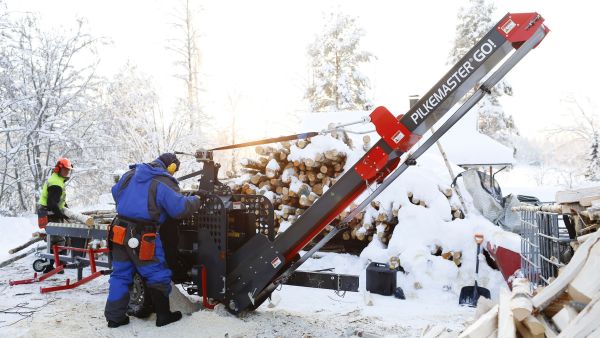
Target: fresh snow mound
(318, 144)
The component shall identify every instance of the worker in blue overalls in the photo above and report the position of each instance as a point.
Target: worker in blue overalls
(145, 197)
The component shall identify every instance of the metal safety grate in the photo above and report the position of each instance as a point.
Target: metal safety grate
(544, 245)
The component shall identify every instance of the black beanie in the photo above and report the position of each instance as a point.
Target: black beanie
(168, 158)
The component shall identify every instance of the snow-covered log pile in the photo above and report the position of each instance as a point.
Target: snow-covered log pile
(568, 307)
(294, 175)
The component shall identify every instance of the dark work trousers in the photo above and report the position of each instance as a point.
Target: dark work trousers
(125, 262)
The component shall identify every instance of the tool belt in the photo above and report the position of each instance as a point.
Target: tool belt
(138, 235)
(42, 213)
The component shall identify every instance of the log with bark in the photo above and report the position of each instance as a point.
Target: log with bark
(85, 219)
(21, 255)
(34, 239)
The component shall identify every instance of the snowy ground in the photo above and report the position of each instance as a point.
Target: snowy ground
(300, 312)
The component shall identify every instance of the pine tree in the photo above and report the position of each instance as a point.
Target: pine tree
(337, 83)
(474, 21)
(593, 169)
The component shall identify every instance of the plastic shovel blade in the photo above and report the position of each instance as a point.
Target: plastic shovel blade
(469, 295)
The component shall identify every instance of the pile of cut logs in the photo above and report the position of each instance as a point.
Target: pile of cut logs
(294, 185)
(568, 307)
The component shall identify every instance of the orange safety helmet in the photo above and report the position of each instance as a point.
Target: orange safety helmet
(63, 163)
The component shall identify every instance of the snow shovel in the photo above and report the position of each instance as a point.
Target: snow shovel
(470, 294)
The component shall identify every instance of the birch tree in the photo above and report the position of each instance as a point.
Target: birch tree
(189, 114)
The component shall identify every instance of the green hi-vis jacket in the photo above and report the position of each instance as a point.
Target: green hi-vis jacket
(57, 180)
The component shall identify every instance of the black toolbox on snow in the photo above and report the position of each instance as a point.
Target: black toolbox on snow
(381, 279)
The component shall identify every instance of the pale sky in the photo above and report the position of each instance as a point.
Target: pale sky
(257, 50)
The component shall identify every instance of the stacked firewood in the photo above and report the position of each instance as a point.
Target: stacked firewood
(568, 307)
(292, 185)
(295, 184)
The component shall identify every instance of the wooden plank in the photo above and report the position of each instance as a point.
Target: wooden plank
(586, 322)
(524, 332)
(534, 325)
(484, 326)
(587, 201)
(564, 317)
(583, 238)
(557, 304)
(573, 196)
(556, 288)
(506, 320)
(595, 334)
(483, 306)
(520, 301)
(549, 330)
(587, 282)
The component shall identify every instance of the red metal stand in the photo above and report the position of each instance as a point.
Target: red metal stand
(58, 267)
(205, 301)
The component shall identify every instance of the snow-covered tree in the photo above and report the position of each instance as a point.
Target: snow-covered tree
(474, 21)
(130, 105)
(337, 82)
(49, 88)
(185, 46)
(580, 135)
(593, 168)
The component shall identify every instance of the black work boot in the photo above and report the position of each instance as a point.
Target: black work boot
(113, 324)
(143, 314)
(164, 316)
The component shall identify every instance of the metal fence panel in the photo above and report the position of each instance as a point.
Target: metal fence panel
(544, 241)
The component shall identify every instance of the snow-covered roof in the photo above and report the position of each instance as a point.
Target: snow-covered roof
(465, 146)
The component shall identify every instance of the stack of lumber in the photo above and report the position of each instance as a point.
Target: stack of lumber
(293, 185)
(584, 205)
(568, 307)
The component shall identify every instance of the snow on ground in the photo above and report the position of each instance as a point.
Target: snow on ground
(301, 312)
(15, 231)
